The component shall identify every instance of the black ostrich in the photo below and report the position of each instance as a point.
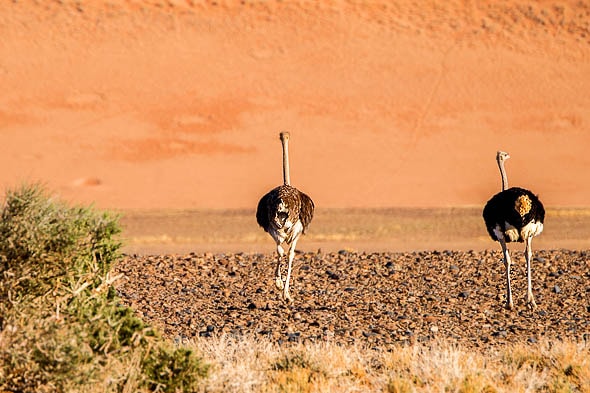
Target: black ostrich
(285, 213)
(514, 215)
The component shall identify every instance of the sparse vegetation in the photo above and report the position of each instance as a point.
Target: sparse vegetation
(62, 327)
(247, 364)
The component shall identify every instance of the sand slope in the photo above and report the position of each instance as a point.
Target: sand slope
(162, 104)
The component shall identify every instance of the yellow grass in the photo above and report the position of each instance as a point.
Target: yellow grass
(255, 365)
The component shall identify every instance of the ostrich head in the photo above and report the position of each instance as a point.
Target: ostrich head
(502, 156)
(284, 136)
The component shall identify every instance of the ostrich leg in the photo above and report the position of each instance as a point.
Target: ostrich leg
(286, 294)
(528, 253)
(278, 275)
(507, 262)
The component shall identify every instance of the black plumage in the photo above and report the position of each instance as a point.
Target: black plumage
(514, 215)
(503, 209)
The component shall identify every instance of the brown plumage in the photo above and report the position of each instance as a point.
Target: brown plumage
(285, 213)
(296, 205)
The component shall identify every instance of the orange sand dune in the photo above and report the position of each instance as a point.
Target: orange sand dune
(178, 104)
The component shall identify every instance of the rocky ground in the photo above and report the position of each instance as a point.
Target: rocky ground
(381, 299)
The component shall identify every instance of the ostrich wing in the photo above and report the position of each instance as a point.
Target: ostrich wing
(262, 211)
(306, 212)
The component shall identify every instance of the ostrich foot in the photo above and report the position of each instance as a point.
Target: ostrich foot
(287, 296)
(509, 305)
(279, 283)
(530, 300)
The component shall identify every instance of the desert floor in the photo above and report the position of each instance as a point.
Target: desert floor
(378, 299)
(381, 278)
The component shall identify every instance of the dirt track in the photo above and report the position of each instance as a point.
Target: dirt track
(380, 299)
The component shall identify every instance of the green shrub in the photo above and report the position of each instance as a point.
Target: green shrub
(61, 323)
(43, 241)
(171, 370)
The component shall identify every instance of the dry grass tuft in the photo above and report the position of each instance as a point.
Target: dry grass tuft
(248, 364)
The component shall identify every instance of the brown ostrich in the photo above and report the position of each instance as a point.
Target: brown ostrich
(285, 213)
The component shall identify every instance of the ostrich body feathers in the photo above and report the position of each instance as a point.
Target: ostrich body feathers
(284, 212)
(514, 215)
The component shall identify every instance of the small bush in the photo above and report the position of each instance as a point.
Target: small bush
(296, 372)
(61, 323)
(399, 385)
(293, 361)
(172, 370)
(43, 241)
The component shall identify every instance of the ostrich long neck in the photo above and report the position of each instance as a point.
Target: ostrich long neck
(285, 142)
(503, 174)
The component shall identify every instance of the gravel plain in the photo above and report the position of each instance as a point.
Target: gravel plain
(378, 299)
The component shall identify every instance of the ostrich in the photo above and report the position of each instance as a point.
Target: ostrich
(285, 213)
(514, 215)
